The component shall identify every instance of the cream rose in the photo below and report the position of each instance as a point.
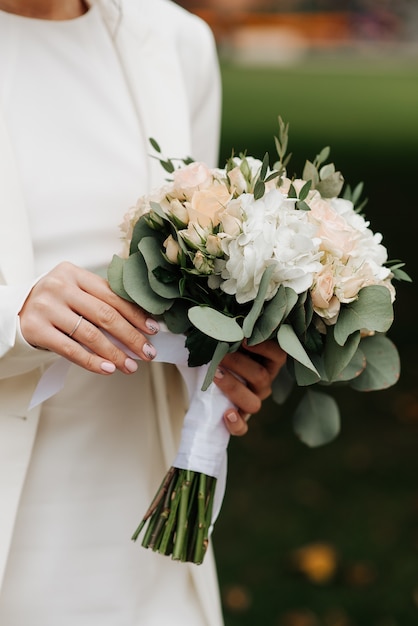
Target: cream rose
(172, 249)
(206, 204)
(194, 176)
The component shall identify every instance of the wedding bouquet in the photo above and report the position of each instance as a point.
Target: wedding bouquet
(249, 253)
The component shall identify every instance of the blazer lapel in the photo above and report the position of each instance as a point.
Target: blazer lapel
(150, 61)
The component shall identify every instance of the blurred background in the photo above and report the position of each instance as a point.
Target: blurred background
(328, 536)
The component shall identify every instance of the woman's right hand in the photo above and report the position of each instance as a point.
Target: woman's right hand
(68, 295)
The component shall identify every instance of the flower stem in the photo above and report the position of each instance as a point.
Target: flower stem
(179, 543)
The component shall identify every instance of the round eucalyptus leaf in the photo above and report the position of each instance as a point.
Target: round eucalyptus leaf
(382, 365)
(372, 311)
(316, 420)
(215, 324)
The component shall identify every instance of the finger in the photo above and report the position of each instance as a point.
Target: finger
(100, 315)
(237, 391)
(273, 357)
(99, 288)
(255, 374)
(93, 341)
(58, 342)
(235, 423)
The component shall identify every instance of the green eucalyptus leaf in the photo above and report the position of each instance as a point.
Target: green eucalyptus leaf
(143, 229)
(298, 315)
(310, 173)
(264, 166)
(303, 194)
(354, 368)
(289, 342)
(220, 351)
(259, 189)
(272, 176)
(154, 144)
(176, 317)
(323, 155)
(371, 311)
(401, 275)
(326, 171)
(331, 187)
(314, 340)
(115, 277)
(150, 249)
(302, 206)
(137, 286)
(292, 192)
(361, 206)
(157, 208)
(305, 376)
(337, 357)
(382, 365)
(215, 324)
(201, 347)
(292, 297)
(275, 311)
(258, 303)
(357, 191)
(282, 386)
(168, 166)
(317, 419)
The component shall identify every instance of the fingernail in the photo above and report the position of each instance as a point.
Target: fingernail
(152, 325)
(231, 416)
(219, 374)
(107, 367)
(131, 365)
(149, 351)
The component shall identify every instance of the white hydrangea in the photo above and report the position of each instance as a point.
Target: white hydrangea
(274, 233)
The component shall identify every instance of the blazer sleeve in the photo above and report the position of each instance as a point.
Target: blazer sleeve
(16, 355)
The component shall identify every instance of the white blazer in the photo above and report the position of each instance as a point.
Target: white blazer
(169, 59)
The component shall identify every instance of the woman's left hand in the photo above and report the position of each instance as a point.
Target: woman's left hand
(247, 380)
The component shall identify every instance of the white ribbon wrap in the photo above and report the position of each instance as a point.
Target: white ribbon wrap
(204, 437)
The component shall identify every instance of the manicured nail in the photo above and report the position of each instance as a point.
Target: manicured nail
(152, 325)
(232, 417)
(219, 374)
(107, 367)
(131, 365)
(149, 351)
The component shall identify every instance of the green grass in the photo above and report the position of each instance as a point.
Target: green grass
(360, 493)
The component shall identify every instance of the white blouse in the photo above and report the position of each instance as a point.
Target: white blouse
(81, 154)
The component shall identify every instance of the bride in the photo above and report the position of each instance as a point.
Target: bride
(82, 87)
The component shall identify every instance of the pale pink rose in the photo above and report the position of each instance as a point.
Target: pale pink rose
(329, 315)
(194, 176)
(323, 288)
(206, 204)
(337, 236)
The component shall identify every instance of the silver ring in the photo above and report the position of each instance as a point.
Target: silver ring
(76, 325)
